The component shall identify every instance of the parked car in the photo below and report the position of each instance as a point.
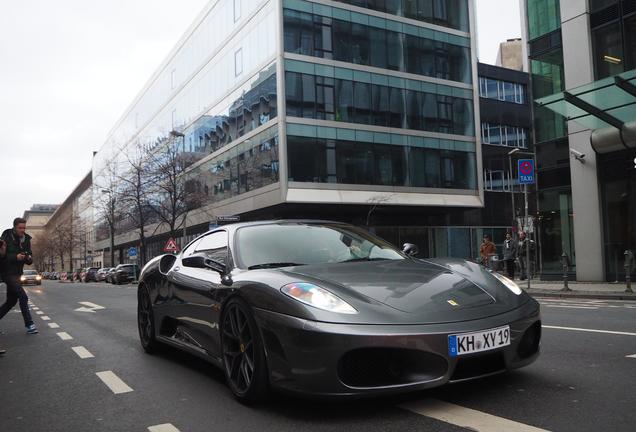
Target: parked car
(125, 273)
(90, 274)
(109, 275)
(31, 277)
(101, 274)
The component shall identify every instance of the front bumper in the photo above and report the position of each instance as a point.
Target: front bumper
(324, 359)
(31, 282)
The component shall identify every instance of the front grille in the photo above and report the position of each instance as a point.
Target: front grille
(381, 367)
(478, 365)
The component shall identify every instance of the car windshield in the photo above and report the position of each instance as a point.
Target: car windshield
(286, 244)
(30, 272)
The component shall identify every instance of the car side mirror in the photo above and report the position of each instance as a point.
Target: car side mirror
(410, 249)
(202, 261)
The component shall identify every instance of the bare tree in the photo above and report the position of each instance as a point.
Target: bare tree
(134, 182)
(375, 202)
(106, 203)
(43, 253)
(172, 196)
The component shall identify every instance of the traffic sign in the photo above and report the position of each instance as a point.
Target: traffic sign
(221, 220)
(132, 252)
(526, 171)
(171, 246)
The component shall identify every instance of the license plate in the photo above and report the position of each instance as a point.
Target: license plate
(486, 340)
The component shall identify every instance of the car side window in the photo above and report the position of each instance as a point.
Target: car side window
(214, 246)
(190, 249)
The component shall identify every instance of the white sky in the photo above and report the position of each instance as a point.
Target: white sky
(71, 67)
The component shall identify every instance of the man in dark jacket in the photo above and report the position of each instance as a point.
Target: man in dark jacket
(18, 253)
(510, 255)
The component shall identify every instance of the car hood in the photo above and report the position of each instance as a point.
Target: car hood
(418, 291)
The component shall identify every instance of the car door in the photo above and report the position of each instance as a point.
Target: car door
(195, 294)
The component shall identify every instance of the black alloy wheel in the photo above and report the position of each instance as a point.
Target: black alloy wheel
(145, 322)
(243, 354)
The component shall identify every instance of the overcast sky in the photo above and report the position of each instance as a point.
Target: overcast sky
(71, 67)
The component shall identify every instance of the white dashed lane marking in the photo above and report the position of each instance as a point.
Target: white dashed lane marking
(45, 318)
(82, 352)
(39, 313)
(589, 330)
(113, 382)
(54, 325)
(466, 417)
(166, 427)
(632, 356)
(65, 336)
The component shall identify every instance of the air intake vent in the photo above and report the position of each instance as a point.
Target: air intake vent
(605, 15)
(629, 6)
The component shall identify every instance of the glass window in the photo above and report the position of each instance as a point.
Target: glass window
(378, 54)
(237, 10)
(238, 62)
(344, 98)
(596, 5)
(362, 102)
(380, 105)
(544, 16)
(308, 160)
(214, 246)
(629, 31)
(608, 51)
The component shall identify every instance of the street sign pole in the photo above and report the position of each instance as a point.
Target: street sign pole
(527, 239)
(526, 177)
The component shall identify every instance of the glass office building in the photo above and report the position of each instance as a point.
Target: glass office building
(296, 108)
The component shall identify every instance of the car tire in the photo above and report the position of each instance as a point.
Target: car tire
(244, 361)
(145, 321)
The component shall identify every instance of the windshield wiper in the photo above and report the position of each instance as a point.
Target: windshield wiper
(273, 265)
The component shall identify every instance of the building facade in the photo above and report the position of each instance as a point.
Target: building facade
(352, 110)
(582, 56)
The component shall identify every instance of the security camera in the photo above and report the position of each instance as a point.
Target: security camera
(578, 155)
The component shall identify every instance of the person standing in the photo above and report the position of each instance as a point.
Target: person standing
(3, 252)
(18, 253)
(510, 255)
(525, 272)
(487, 250)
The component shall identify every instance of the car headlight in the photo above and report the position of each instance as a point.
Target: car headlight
(38, 277)
(508, 283)
(313, 295)
(22, 278)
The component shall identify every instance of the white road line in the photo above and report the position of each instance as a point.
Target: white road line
(589, 330)
(466, 417)
(82, 352)
(45, 318)
(572, 307)
(113, 382)
(65, 336)
(92, 305)
(54, 325)
(167, 427)
(631, 356)
(39, 313)
(35, 308)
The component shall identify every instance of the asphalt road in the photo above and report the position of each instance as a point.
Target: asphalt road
(583, 381)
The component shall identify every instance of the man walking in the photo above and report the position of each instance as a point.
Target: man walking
(487, 250)
(3, 252)
(510, 255)
(18, 253)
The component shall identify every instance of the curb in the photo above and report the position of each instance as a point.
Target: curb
(583, 295)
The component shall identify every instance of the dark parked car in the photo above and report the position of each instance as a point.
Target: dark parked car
(30, 277)
(325, 308)
(125, 273)
(90, 274)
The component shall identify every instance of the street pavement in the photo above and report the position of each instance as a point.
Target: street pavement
(86, 371)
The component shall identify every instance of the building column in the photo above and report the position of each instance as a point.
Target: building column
(586, 200)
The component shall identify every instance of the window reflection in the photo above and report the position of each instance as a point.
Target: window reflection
(320, 160)
(248, 166)
(364, 103)
(318, 36)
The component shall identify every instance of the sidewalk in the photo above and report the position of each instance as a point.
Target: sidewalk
(597, 290)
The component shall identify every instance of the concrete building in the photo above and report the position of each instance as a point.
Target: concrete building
(510, 55)
(359, 111)
(582, 56)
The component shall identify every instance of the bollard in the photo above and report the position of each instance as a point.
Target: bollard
(566, 267)
(629, 255)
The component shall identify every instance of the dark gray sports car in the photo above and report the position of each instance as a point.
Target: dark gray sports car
(325, 308)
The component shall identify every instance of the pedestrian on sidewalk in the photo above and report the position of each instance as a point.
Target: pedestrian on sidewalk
(525, 272)
(487, 250)
(510, 255)
(18, 253)
(3, 253)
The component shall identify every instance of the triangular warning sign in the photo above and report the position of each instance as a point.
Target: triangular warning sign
(171, 246)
